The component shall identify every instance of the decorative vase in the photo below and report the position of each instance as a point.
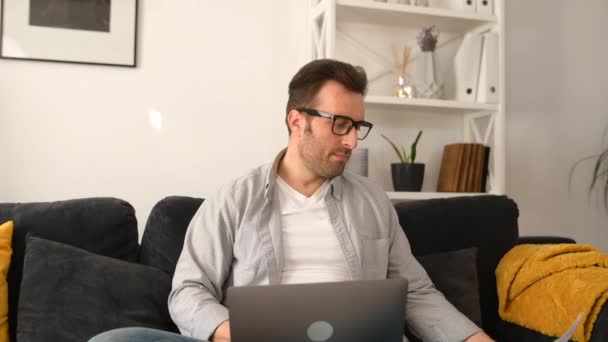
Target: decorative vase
(428, 82)
(404, 89)
(407, 176)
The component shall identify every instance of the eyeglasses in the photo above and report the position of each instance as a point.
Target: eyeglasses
(342, 125)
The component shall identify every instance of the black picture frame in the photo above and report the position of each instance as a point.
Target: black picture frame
(107, 37)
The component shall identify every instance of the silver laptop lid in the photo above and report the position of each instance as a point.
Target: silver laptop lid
(366, 310)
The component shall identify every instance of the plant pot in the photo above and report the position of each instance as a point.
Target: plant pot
(407, 176)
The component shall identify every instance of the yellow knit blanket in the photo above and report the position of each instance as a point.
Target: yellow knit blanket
(545, 287)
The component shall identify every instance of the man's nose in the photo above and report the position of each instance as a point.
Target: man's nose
(350, 140)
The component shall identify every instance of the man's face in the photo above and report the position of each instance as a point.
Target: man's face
(322, 152)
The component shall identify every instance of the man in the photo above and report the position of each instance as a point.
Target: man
(301, 219)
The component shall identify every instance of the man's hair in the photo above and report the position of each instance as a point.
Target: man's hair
(306, 83)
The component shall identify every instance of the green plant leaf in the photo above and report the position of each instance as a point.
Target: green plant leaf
(401, 157)
(606, 193)
(574, 167)
(596, 170)
(404, 154)
(413, 148)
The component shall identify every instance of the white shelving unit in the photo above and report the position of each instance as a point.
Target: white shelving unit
(430, 105)
(483, 123)
(416, 16)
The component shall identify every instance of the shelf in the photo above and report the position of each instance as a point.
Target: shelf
(382, 13)
(428, 105)
(406, 195)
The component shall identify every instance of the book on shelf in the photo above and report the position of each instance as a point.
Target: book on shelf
(463, 168)
(470, 184)
(453, 156)
(486, 165)
(463, 174)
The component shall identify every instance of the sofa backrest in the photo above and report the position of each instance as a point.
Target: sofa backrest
(105, 226)
(488, 223)
(165, 231)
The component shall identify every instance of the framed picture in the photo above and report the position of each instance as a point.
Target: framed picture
(74, 31)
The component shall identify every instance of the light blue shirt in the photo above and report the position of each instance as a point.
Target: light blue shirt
(235, 240)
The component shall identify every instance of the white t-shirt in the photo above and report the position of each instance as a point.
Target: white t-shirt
(311, 250)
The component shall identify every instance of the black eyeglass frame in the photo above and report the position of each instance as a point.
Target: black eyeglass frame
(333, 117)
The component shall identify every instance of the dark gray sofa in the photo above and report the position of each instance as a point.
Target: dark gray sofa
(84, 271)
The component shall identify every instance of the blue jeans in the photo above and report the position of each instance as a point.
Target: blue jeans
(140, 335)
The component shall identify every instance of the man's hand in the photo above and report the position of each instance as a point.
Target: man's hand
(479, 337)
(222, 333)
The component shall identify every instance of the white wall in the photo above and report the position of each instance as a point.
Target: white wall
(557, 111)
(216, 70)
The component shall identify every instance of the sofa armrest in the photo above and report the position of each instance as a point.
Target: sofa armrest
(540, 240)
(509, 332)
(600, 328)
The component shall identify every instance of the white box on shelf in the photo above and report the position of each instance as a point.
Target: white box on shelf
(487, 90)
(485, 7)
(466, 68)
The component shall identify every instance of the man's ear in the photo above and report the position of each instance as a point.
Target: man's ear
(296, 121)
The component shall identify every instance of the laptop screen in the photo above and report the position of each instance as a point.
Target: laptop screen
(366, 310)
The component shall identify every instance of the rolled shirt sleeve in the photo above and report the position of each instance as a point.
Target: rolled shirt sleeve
(202, 269)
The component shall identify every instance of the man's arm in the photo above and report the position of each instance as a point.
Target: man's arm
(428, 313)
(479, 337)
(203, 266)
(222, 333)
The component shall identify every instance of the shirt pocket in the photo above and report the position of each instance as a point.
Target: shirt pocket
(375, 258)
(247, 247)
(248, 263)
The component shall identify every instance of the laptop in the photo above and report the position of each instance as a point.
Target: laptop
(365, 310)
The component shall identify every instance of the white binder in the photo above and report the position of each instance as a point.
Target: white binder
(485, 7)
(487, 90)
(466, 67)
(469, 5)
(457, 5)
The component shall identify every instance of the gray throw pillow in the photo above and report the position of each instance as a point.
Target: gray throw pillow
(69, 294)
(454, 273)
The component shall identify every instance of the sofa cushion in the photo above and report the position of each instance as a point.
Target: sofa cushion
(455, 275)
(486, 222)
(165, 231)
(105, 226)
(69, 294)
(6, 234)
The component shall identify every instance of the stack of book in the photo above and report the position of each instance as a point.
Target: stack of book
(464, 168)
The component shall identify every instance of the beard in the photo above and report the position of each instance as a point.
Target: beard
(317, 160)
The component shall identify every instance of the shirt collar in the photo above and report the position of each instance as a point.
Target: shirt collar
(337, 186)
(336, 183)
(271, 177)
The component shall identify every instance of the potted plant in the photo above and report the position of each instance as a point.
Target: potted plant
(599, 176)
(407, 175)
